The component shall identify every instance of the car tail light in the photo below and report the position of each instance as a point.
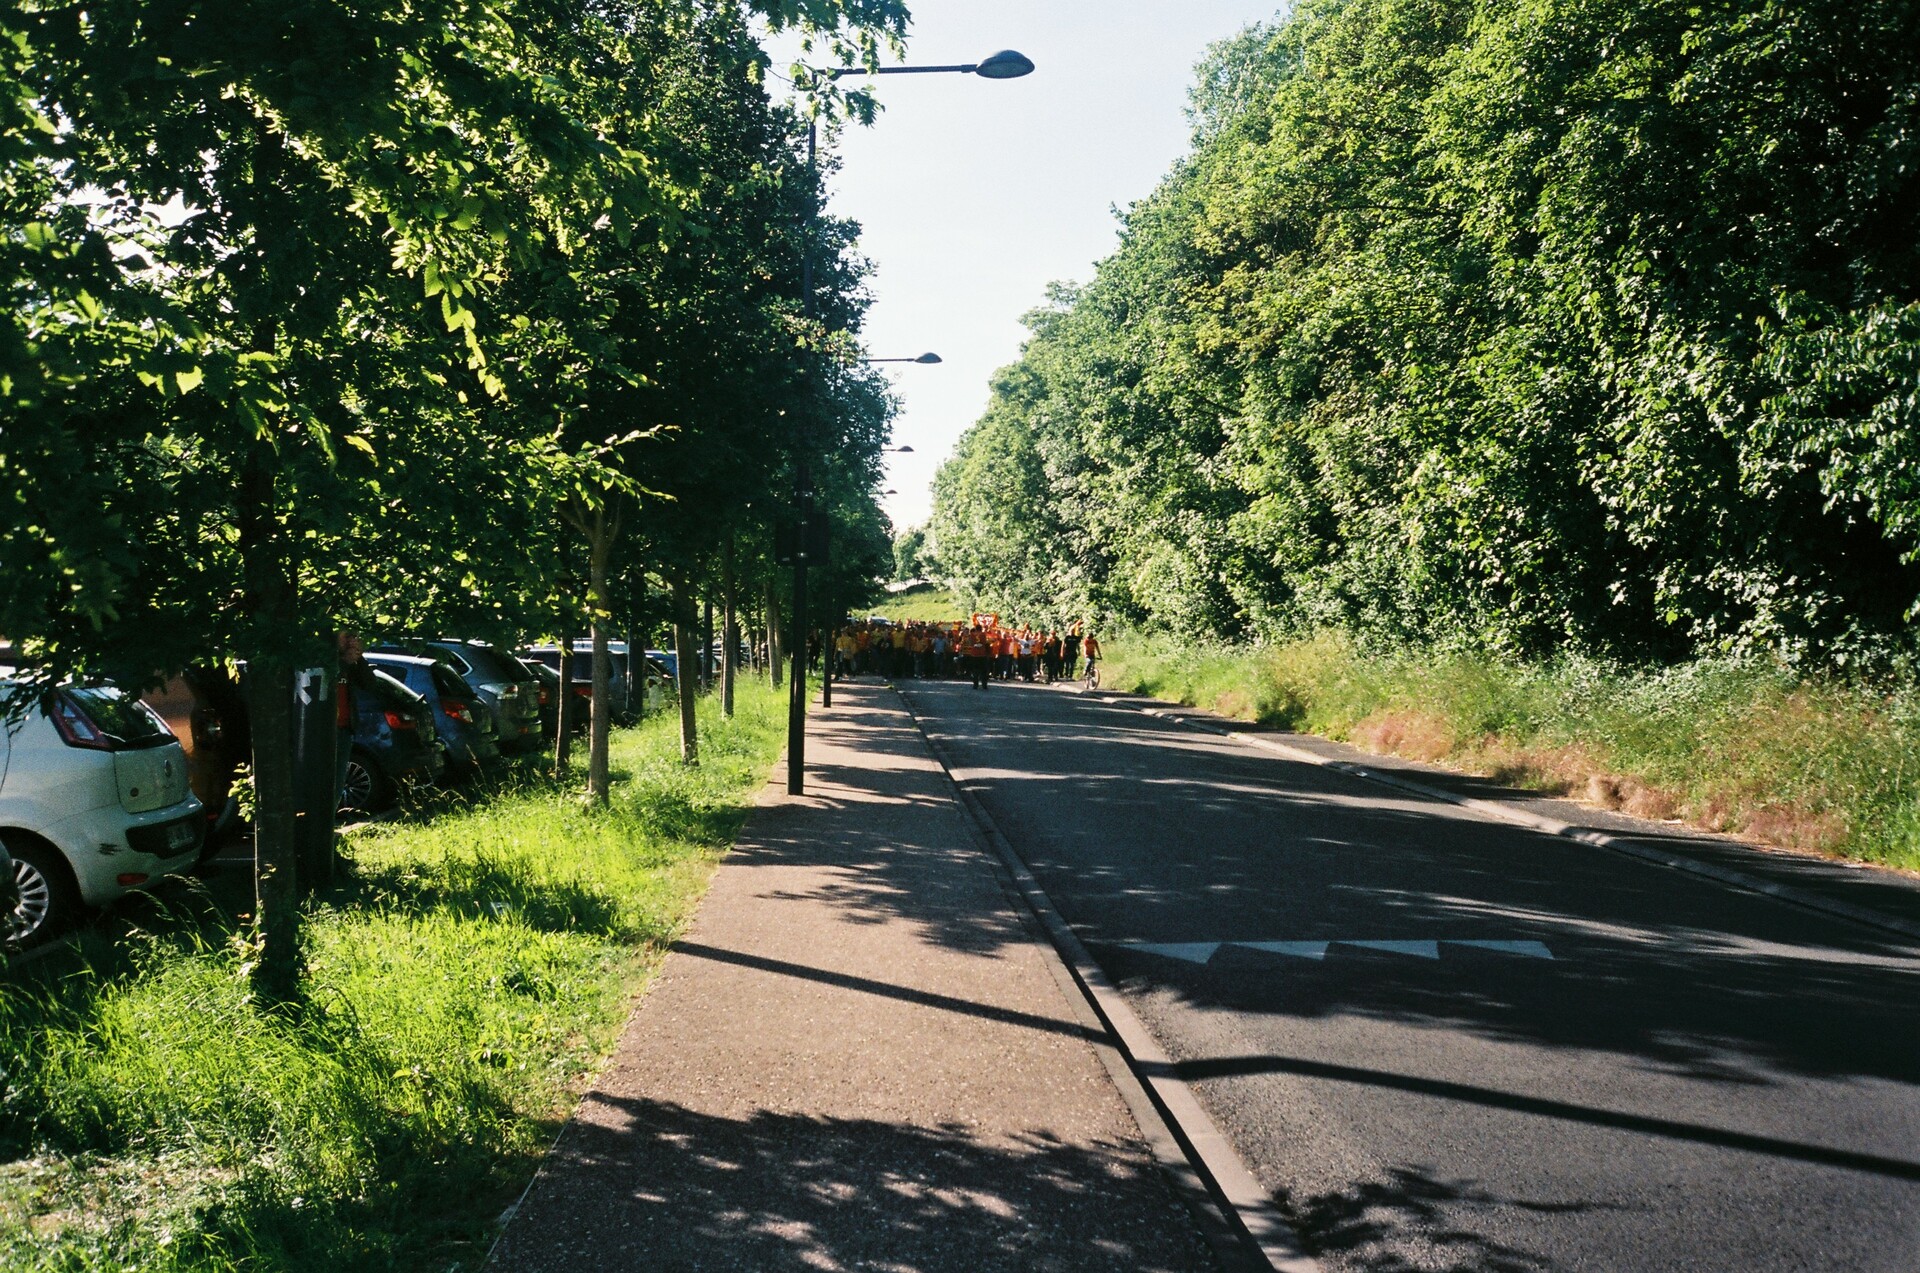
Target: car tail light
(397, 720)
(544, 697)
(128, 879)
(75, 729)
(583, 691)
(456, 709)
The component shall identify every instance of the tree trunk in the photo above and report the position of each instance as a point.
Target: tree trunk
(706, 642)
(600, 725)
(729, 642)
(773, 630)
(637, 647)
(683, 672)
(268, 603)
(276, 976)
(566, 714)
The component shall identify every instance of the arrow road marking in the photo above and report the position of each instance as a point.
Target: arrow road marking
(1297, 949)
(1200, 952)
(1525, 949)
(1194, 952)
(1418, 949)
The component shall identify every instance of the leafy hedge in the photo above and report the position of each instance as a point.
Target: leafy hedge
(1515, 325)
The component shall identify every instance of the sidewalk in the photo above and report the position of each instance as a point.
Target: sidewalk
(858, 1058)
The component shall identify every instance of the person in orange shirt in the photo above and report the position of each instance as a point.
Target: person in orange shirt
(973, 649)
(1091, 646)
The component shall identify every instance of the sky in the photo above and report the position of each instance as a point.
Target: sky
(973, 195)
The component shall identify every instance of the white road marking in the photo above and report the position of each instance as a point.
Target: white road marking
(1297, 949)
(1525, 949)
(1201, 952)
(1194, 952)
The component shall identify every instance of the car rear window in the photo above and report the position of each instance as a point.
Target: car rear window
(124, 719)
(391, 693)
(450, 683)
(490, 664)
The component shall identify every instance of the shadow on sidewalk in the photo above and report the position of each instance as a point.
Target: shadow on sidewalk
(882, 818)
(640, 1184)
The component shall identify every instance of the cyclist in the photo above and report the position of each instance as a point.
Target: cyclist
(1090, 646)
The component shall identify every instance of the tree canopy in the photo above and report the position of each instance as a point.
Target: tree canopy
(1528, 324)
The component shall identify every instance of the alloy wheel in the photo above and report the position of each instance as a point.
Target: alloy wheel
(36, 902)
(357, 791)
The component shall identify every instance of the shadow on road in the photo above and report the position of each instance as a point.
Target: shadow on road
(1689, 977)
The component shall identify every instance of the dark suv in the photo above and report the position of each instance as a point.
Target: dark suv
(510, 691)
(463, 721)
(394, 741)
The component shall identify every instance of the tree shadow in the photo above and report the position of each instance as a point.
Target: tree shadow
(1684, 976)
(1416, 1222)
(641, 1184)
(881, 841)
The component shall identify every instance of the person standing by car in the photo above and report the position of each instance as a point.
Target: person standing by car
(355, 673)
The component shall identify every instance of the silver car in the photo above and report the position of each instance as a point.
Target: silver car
(94, 801)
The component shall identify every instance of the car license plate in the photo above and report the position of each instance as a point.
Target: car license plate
(180, 835)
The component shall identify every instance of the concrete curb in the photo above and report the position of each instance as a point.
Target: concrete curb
(1540, 822)
(1205, 1159)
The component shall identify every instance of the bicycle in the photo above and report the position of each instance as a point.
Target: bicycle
(1092, 674)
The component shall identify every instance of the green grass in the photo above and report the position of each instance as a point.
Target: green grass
(1724, 745)
(928, 603)
(463, 983)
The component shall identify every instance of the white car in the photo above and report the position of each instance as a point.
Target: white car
(93, 801)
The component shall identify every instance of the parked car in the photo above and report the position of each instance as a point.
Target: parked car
(94, 801)
(208, 715)
(394, 742)
(550, 698)
(460, 717)
(509, 690)
(549, 656)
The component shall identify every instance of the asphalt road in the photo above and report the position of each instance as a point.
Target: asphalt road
(1553, 1057)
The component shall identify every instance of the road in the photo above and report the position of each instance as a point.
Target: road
(1550, 1056)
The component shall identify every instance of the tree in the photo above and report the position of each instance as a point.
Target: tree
(1524, 324)
(270, 267)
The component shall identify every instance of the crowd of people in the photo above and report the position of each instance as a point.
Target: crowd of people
(981, 650)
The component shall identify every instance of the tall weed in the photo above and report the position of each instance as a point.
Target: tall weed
(1724, 744)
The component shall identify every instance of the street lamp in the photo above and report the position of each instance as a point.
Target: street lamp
(1004, 65)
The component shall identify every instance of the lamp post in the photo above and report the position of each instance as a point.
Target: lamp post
(1004, 65)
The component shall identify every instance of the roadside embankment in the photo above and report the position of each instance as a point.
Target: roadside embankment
(462, 984)
(1721, 745)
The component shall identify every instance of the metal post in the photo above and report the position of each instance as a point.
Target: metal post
(828, 619)
(797, 689)
(797, 682)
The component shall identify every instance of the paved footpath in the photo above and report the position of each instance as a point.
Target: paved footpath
(858, 1058)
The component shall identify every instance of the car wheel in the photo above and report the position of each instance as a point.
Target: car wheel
(48, 901)
(365, 788)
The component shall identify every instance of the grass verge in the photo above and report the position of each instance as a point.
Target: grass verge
(463, 982)
(928, 603)
(1724, 746)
